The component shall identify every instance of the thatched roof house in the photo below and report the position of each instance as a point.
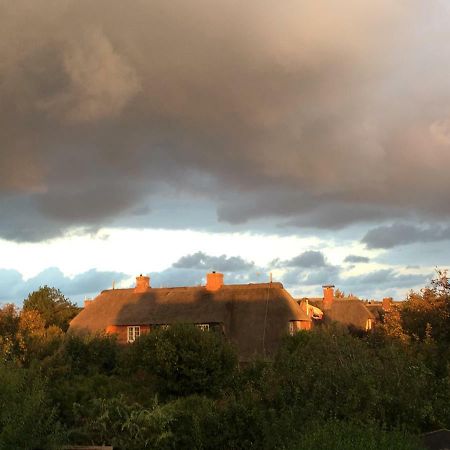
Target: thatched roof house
(253, 316)
(350, 312)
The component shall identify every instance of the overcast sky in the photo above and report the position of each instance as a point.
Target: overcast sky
(307, 139)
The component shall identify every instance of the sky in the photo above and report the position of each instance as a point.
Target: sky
(305, 139)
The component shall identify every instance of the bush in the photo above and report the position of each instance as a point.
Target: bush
(335, 435)
(186, 360)
(90, 354)
(27, 421)
(327, 374)
(123, 425)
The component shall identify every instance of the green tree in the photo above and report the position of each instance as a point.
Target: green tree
(53, 306)
(186, 360)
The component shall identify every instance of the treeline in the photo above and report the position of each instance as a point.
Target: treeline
(183, 388)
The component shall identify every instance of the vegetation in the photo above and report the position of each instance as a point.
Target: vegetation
(53, 306)
(182, 388)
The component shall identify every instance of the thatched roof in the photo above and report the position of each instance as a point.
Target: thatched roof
(376, 309)
(245, 310)
(347, 312)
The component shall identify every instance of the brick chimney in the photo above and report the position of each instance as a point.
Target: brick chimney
(142, 284)
(387, 304)
(214, 281)
(87, 302)
(328, 296)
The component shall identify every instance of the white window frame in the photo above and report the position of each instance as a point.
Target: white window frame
(133, 332)
(292, 328)
(203, 326)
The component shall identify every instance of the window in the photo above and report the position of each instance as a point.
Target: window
(133, 333)
(292, 328)
(369, 324)
(203, 326)
(297, 325)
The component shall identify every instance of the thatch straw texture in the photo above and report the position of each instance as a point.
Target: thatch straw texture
(254, 316)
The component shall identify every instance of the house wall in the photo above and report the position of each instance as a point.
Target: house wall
(121, 331)
(304, 325)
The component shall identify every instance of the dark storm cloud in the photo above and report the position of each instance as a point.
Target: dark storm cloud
(356, 259)
(402, 234)
(14, 288)
(221, 263)
(299, 113)
(306, 259)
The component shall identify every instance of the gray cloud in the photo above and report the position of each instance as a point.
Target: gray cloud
(402, 234)
(356, 259)
(14, 288)
(376, 284)
(384, 278)
(202, 261)
(290, 114)
(191, 270)
(295, 278)
(172, 277)
(306, 259)
(308, 269)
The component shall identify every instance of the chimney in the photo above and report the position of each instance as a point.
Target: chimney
(87, 302)
(387, 304)
(142, 284)
(328, 296)
(214, 281)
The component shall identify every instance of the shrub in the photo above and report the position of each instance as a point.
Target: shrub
(27, 421)
(186, 360)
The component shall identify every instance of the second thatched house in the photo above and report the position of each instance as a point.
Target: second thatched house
(350, 312)
(254, 317)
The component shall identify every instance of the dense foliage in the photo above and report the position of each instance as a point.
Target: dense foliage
(185, 360)
(182, 388)
(27, 419)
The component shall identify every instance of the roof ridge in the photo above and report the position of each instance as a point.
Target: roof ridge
(276, 284)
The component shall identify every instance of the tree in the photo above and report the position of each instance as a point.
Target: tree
(342, 295)
(426, 314)
(35, 340)
(9, 324)
(53, 306)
